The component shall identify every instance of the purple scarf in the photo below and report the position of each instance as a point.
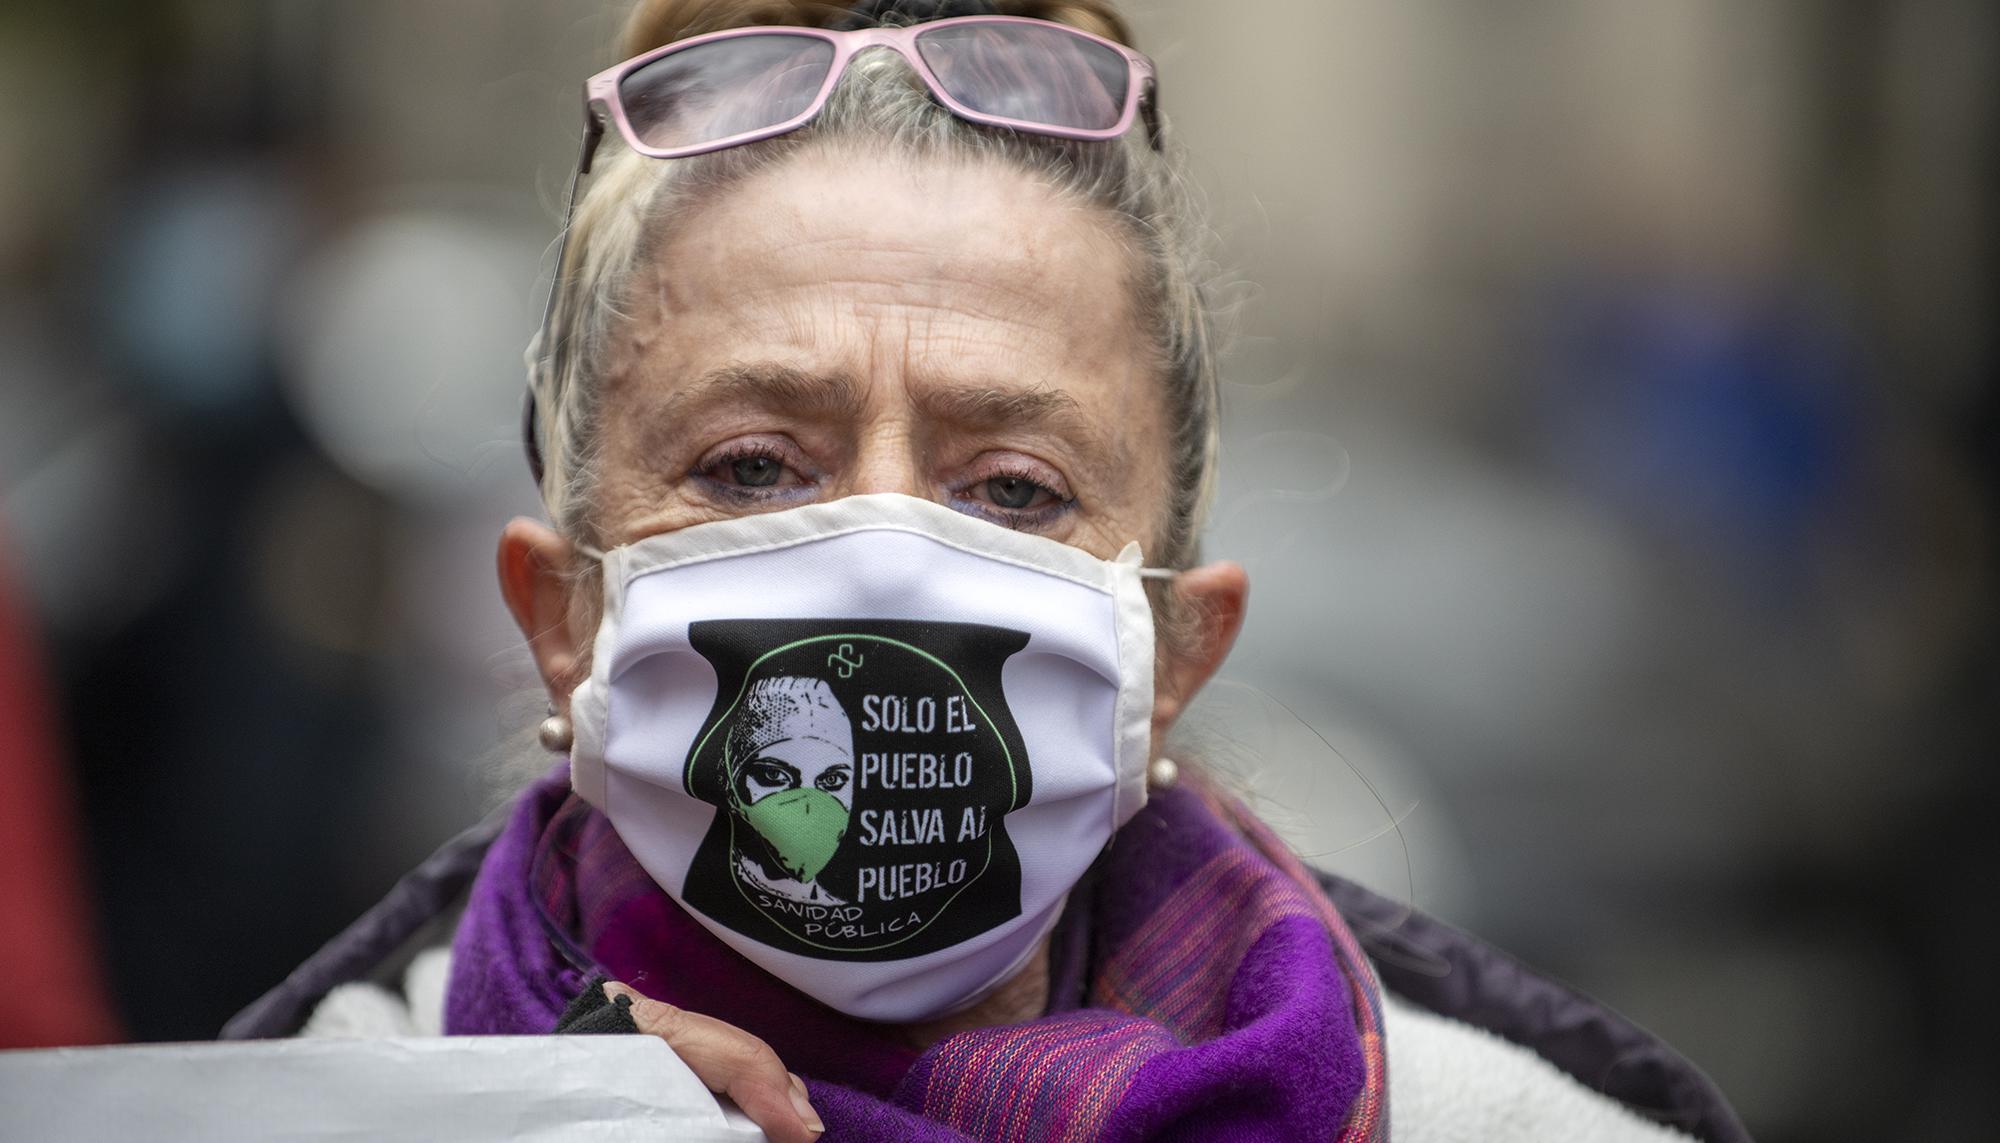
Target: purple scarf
(1203, 988)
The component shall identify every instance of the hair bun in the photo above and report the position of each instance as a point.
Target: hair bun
(655, 23)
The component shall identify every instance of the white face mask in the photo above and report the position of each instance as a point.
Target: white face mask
(872, 743)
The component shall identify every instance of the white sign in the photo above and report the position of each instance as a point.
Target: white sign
(439, 1089)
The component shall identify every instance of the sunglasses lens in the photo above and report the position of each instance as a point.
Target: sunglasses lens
(723, 88)
(1035, 74)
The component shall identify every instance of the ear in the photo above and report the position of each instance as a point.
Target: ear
(533, 560)
(1214, 597)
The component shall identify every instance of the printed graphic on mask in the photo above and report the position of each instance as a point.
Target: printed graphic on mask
(863, 770)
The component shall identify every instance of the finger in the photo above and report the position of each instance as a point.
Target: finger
(733, 1062)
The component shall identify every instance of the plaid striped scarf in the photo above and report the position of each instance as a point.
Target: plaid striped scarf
(1213, 993)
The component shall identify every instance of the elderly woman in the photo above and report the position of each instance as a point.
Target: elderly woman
(875, 414)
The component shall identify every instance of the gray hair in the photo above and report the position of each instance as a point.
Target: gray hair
(631, 203)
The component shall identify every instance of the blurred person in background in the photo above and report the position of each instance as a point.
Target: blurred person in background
(149, 469)
(878, 355)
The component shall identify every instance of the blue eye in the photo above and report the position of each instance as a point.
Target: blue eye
(755, 468)
(756, 471)
(1013, 492)
(1014, 499)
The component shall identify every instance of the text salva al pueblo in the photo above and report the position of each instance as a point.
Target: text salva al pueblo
(915, 770)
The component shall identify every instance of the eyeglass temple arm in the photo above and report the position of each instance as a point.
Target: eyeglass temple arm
(593, 134)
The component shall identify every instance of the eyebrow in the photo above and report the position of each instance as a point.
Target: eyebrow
(985, 407)
(831, 397)
(838, 397)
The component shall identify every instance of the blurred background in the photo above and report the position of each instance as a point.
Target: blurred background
(1611, 439)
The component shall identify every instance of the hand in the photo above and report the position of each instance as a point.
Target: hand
(731, 1062)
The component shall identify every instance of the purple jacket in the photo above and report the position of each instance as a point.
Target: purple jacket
(1423, 961)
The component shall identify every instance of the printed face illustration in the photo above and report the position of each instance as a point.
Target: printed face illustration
(792, 756)
(863, 771)
(794, 764)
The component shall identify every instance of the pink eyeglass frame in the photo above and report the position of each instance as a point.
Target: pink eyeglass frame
(601, 102)
(600, 92)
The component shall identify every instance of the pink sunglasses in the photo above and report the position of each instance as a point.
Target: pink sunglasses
(729, 88)
(725, 89)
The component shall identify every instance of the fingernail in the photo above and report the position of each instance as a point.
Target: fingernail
(804, 1106)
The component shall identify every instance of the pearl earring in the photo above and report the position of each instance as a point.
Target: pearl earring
(556, 733)
(1163, 773)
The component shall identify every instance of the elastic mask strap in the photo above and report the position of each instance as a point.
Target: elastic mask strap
(587, 550)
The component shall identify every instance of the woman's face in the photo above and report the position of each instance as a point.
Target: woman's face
(846, 323)
(842, 324)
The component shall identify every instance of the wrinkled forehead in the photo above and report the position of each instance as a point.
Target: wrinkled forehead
(919, 255)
